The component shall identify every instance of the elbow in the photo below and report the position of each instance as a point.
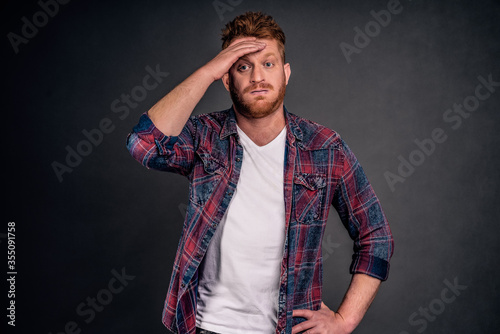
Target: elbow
(133, 145)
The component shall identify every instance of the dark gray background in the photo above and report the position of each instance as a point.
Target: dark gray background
(112, 213)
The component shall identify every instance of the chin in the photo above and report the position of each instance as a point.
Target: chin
(257, 109)
(258, 106)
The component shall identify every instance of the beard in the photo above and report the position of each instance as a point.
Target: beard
(259, 106)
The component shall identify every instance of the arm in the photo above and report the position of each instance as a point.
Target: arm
(361, 213)
(164, 138)
(171, 113)
(357, 300)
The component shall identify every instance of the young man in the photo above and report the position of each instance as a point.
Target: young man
(261, 184)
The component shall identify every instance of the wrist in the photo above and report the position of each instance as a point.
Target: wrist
(207, 73)
(350, 323)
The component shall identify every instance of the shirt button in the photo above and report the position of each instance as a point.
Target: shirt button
(238, 159)
(183, 285)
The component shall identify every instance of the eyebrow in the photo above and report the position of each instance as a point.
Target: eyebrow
(269, 54)
(245, 57)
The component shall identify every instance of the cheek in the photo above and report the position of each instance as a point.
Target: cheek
(279, 80)
(232, 79)
(236, 86)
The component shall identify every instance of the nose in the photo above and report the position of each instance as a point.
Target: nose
(257, 75)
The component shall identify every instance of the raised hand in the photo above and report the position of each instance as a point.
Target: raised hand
(171, 113)
(221, 64)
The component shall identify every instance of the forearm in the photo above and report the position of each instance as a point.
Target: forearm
(357, 300)
(171, 113)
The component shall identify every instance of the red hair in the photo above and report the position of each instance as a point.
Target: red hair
(254, 24)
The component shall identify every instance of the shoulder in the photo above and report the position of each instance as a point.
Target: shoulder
(211, 119)
(315, 135)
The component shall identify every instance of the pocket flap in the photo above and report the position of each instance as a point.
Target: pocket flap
(310, 181)
(210, 164)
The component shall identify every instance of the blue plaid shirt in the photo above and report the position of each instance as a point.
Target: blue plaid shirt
(320, 171)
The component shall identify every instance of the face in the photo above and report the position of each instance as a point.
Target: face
(257, 82)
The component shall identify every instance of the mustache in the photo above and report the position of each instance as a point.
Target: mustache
(263, 85)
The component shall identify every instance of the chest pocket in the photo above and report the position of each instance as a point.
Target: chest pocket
(207, 173)
(309, 196)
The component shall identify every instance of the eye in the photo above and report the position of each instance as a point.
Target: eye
(243, 67)
(268, 64)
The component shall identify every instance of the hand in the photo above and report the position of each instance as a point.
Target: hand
(323, 321)
(221, 64)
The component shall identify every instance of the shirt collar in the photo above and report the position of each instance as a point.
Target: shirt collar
(229, 126)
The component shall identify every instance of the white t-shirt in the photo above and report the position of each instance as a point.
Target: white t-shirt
(239, 277)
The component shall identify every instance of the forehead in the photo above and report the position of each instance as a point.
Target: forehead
(271, 49)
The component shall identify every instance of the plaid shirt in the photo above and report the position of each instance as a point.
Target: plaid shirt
(319, 170)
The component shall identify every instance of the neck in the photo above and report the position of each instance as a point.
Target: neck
(262, 130)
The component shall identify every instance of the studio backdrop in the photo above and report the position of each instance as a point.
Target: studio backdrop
(89, 235)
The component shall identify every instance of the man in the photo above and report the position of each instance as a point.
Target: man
(261, 184)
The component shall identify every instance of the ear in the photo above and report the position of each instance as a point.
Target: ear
(225, 81)
(288, 72)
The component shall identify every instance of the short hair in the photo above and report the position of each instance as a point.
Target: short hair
(254, 24)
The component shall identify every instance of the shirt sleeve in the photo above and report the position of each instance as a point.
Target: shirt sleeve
(362, 215)
(155, 150)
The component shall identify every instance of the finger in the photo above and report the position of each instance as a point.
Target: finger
(243, 50)
(243, 44)
(303, 313)
(301, 327)
(227, 57)
(242, 39)
(247, 47)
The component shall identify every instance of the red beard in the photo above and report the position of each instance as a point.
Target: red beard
(257, 108)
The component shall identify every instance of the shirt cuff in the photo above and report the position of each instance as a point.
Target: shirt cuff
(371, 266)
(148, 132)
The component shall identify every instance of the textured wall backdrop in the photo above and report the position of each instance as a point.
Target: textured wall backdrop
(412, 86)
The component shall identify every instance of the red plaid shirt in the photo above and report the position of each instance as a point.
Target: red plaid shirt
(320, 171)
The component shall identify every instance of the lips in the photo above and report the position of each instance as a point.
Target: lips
(259, 92)
(260, 89)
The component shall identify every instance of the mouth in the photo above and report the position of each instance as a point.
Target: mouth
(259, 92)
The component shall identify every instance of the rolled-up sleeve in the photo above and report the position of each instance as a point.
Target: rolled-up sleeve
(362, 215)
(155, 150)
